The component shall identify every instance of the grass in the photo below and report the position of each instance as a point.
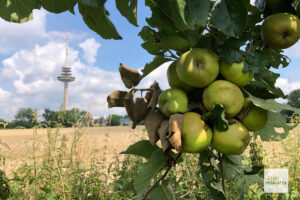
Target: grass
(84, 163)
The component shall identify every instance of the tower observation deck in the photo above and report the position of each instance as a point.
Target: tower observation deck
(66, 75)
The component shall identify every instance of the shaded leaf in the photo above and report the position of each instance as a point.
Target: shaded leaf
(96, 18)
(164, 191)
(157, 61)
(255, 61)
(258, 89)
(141, 148)
(229, 16)
(18, 11)
(232, 166)
(148, 171)
(296, 6)
(159, 20)
(211, 174)
(93, 3)
(272, 105)
(277, 59)
(217, 116)
(275, 120)
(196, 12)
(174, 9)
(59, 6)
(151, 41)
(128, 8)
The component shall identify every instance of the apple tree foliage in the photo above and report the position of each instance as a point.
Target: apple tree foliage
(232, 29)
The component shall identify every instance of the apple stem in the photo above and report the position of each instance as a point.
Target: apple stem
(171, 162)
(221, 165)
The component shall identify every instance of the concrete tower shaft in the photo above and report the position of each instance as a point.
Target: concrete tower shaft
(66, 75)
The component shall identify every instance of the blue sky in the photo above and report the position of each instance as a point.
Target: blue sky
(32, 54)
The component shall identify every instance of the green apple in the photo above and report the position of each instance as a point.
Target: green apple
(174, 80)
(198, 67)
(281, 30)
(195, 134)
(173, 101)
(256, 118)
(233, 141)
(234, 73)
(226, 93)
(175, 42)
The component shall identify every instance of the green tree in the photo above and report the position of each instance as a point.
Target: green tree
(294, 98)
(114, 120)
(50, 117)
(25, 117)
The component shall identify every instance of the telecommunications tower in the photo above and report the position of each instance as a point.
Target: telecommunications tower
(66, 75)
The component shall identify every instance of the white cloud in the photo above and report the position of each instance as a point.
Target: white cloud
(17, 36)
(287, 86)
(90, 49)
(32, 74)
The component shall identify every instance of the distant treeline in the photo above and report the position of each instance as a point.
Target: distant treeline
(27, 118)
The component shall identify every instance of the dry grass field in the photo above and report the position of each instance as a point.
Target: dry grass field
(98, 143)
(94, 143)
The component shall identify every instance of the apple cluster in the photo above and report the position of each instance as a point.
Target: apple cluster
(198, 77)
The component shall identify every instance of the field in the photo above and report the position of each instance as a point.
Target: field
(97, 148)
(97, 141)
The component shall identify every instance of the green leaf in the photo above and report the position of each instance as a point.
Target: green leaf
(151, 39)
(217, 116)
(157, 61)
(196, 12)
(185, 14)
(244, 182)
(59, 6)
(267, 80)
(128, 8)
(96, 18)
(255, 61)
(276, 59)
(272, 105)
(163, 191)
(174, 9)
(230, 50)
(141, 148)
(18, 11)
(93, 3)
(159, 20)
(275, 120)
(296, 6)
(211, 174)
(232, 166)
(258, 89)
(229, 16)
(149, 170)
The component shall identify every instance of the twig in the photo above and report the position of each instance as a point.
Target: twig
(244, 112)
(171, 164)
(221, 164)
